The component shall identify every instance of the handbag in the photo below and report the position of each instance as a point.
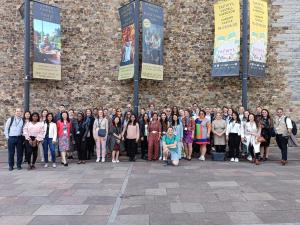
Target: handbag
(260, 139)
(101, 132)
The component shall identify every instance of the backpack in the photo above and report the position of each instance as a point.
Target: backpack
(11, 122)
(294, 129)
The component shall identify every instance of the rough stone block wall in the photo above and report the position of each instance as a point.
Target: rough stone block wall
(91, 53)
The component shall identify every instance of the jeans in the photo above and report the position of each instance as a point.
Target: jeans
(49, 144)
(282, 143)
(13, 143)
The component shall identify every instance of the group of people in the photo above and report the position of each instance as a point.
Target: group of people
(169, 134)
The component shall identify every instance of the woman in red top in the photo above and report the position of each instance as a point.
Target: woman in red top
(63, 134)
(154, 133)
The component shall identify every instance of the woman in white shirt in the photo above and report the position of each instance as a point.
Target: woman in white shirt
(250, 135)
(233, 134)
(100, 131)
(50, 131)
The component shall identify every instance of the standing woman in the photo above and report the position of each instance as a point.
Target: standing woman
(144, 123)
(34, 134)
(50, 131)
(164, 128)
(188, 134)
(26, 119)
(64, 132)
(80, 133)
(202, 133)
(154, 133)
(100, 131)
(132, 135)
(250, 136)
(266, 132)
(233, 135)
(116, 137)
(42, 120)
(219, 130)
(178, 131)
(90, 142)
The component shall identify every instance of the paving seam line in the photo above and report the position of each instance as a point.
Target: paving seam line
(114, 212)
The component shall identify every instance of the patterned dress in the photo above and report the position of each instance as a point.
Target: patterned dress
(64, 140)
(201, 131)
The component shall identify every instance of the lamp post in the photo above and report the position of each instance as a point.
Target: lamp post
(136, 76)
(26, 54)
(245, 55)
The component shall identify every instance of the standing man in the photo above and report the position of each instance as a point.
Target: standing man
(57, 116)
(13, 133)
(283, 128)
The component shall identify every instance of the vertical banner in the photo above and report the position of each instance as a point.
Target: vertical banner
(126, 70)
(226, 60)
(47, 42)
(258, 37)
(153, 36)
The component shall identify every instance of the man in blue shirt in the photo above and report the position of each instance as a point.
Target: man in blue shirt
(13, 133)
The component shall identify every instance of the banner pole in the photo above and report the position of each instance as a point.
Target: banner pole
(136, 58)
(26, 54)
(245, 55)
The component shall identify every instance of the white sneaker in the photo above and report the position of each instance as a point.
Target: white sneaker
(117, 161)
(98, 160)
(46, 165)
(54, 165)
(232, 160)
(42, 160)
(201, 158)
(249, 158)
(103, 160)
(113, 161)
(160, 158)
(236, 160)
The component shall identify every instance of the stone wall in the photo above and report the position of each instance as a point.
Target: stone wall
(91, 53)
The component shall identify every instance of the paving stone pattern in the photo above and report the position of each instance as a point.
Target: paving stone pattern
(148, 193)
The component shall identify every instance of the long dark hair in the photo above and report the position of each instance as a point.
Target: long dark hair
(143, 118)
(61, 118)
(48, 114)
(268, 116)
(237, 117)
(176, 111)
(163, 121)
(175, 121)
(35, 114)
(130, 121)
(114, 123)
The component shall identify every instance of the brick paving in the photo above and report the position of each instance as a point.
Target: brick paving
(148, 193)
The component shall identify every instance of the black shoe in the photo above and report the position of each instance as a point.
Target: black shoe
(66, 164)
(10, 168)
(19, 168)
(33, 167)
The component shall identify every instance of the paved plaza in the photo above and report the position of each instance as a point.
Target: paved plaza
(148, 193)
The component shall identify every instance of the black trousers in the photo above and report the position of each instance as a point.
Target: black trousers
(234, 145)
(220, 148)
(90, 144)
(131, 148)
(81, 148)
(144, 147)
(31, 151)
(282, 143)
